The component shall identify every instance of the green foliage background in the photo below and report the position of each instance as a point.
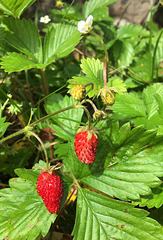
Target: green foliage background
(38, 67)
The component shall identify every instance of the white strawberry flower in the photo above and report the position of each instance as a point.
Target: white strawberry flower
(85, 27)
(45, 19)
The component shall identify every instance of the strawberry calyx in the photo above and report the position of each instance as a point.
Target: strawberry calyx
(92, 130)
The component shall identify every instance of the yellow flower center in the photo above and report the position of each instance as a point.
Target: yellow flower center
(86, 25)
(59, 3)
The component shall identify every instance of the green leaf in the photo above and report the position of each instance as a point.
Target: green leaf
(96, 7)
(23, 213)
(159, 50)
(118, 85)
(159, 100)
(141, 108)
(129, 30)
(93, 68)
(29, 174)
(2, 35)
(123, 52)
(99, 217)
(155, 199)
(23, 35)
(16, 62)
(60, 41)
(121, 169)
(142, 67)
(129, 106)
(15, 7)
(3, 126)
(129, 171)
(64, 124)
(129, 179)
(92, 71)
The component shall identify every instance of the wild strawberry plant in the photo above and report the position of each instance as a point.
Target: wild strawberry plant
(81, 115)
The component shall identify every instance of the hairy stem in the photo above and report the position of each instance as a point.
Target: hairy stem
(42, 145)
(88, 114)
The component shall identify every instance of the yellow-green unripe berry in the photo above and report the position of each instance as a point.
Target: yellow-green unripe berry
(78, 92)
(107, 96)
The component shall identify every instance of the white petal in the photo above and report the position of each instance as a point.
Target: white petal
(81, 24)
(81, 27)
(41, 19)
(84, 30)
(89, 21)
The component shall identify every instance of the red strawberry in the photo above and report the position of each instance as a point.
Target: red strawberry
(86, 146)
(50, 188)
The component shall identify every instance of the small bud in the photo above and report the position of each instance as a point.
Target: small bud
(98, 114)
(107, 96)
(78, 92)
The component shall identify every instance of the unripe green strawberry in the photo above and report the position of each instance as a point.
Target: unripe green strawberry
(86, 146)
(50, 188)
(78, 92)
(107, 96)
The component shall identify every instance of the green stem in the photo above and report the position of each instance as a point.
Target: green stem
(105, 50)
(67, 10)
(42, 145)
(44, 82)
(26, 129)
(92, 104)
(52, 114)
(88, 114)
(29, 127)
(150, 36)
(154, 53)
(115, 70)
(29, 89)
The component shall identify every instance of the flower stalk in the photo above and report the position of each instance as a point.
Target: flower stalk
(88, 114)
(42, 145)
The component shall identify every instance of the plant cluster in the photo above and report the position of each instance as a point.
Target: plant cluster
(81, 119)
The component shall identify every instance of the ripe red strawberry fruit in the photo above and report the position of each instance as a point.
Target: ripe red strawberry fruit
(86, 146)
(50, 188)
